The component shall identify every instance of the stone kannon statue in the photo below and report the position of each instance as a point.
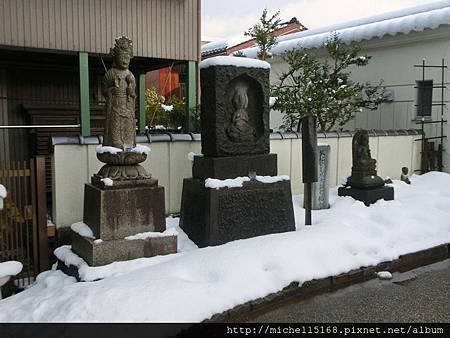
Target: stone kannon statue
(119, 90)
(240, 129)
(364, 173)
(119, 150)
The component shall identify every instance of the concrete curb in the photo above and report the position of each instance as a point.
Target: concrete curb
(293, 292)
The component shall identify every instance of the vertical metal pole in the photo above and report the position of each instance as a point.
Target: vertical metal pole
(85, 114)
(423, 147)
(142, 104)
(191, 96)
(441, 152)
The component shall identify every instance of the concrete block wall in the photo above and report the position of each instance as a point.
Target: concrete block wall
(75, 161)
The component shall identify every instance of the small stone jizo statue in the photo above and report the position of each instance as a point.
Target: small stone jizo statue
(364, 173)
(119, 90)
(404, 176)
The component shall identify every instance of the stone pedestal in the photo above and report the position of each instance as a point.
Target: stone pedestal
(105, 252)
(230, 167)
(124, 209)
(217, 216)
(368, 196)
(114, 213)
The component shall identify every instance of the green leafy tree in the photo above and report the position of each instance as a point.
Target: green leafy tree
(158, 113)
(262, 32)
(322, 86)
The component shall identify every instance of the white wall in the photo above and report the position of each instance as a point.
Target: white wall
(74, 164)
(393, 60)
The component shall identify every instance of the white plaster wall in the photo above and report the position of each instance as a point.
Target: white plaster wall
(393, 60)
(73, 165)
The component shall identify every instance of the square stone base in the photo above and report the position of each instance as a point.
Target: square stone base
(368, 196)
(106, 252)
(217, 216)
(230, 167)
(121, 212)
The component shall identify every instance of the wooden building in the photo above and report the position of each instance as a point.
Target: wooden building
(53, 54)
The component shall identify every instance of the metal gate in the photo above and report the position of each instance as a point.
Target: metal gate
(23, 230)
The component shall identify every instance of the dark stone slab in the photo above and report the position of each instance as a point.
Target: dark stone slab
(234, 111)
(368, 196)
(69, 270)
(117, 213)
(106, 252)
(217, 216)
(231, 167)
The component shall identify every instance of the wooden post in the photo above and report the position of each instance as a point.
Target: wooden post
(309, 161)
(85, 113)
(191, 97)
(41, 214)
(142, 105)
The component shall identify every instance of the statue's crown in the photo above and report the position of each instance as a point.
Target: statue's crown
(122, 43)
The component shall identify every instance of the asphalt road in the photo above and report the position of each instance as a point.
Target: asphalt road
(421, 295)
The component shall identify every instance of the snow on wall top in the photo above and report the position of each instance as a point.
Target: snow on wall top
(224, 43)
(402, 21)
(233, 61)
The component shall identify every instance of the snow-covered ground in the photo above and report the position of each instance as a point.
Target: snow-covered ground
(194, 284)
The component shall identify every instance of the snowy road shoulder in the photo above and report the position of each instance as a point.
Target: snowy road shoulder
(195, 284)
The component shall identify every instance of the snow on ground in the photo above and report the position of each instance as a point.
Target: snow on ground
(10, 268)
(194, 284)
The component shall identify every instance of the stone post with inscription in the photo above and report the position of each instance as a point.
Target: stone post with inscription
(321, 188)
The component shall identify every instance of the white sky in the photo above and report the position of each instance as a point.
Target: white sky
(227, 18)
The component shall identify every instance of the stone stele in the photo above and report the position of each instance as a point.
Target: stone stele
(235, 143)
(131, 201)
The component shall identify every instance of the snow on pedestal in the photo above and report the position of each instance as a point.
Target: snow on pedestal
(100, 149)
(10, 268)
(82, 229)
(238, 182)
